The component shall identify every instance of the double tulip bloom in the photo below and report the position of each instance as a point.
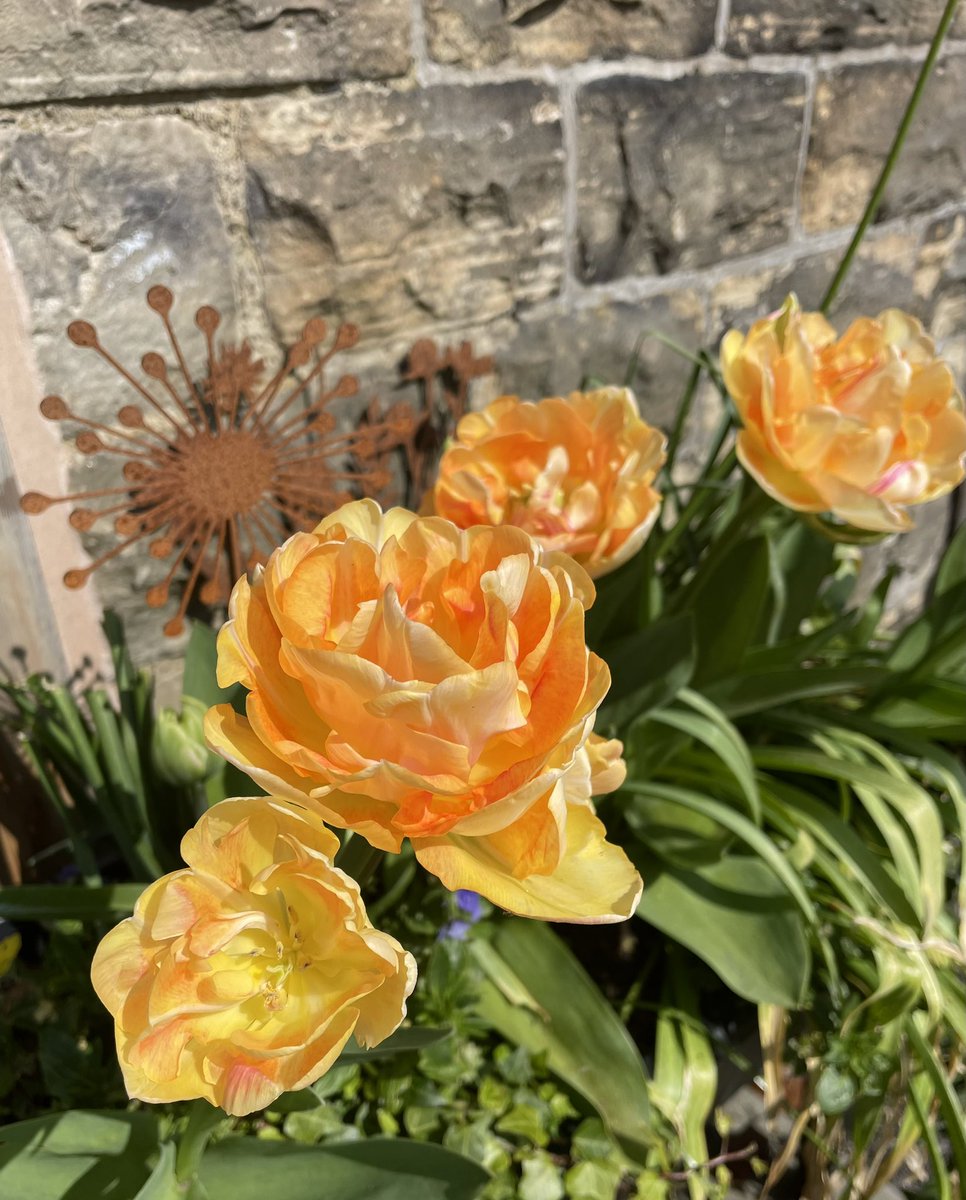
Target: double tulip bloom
(862, 426)
(244, 975)
(408, 679)
(577, 474)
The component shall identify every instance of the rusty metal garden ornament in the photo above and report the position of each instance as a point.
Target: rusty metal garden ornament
(220, 469)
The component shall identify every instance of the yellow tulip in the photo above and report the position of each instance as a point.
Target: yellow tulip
(576, 474)
(244, 975)
(862, 426)
(411, 680)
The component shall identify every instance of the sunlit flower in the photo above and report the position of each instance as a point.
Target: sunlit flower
(861, 425)
(576, 474)
(244, 975)
(411, 680)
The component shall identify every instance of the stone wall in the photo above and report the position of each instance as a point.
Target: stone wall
(547, 177)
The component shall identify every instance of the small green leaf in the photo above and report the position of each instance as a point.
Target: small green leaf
(541, 1179)
(835, 1091)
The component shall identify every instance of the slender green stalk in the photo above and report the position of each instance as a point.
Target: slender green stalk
(358, 859)
(202, 1122)
(905, 124)
(684, 410)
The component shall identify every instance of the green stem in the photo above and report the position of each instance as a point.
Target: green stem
(202, 1122)
(684, 410)
(358, 859)
(700, 497)
(904, 126)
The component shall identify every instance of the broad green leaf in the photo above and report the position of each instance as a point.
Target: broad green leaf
(738, 918)
(676, 833)
(42, 902)
(200, 668)
(618, 601)
(163, 1182)
(741, 827)
(936, 639)
(745, 693)
(403, 1041)
(728, 602)
(935, 709)
(708, 724)
(569, 1020)
(94, 1155)
(372, 1169)
(805, 559)
(648, 668)
(952, 569)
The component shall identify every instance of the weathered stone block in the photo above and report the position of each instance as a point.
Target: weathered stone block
(407, 210)
(882, 276)
(67, 48)
(857, 109)
(94, 216)
(477, 33)
(940, 280)
(685, 173)
(791, 27)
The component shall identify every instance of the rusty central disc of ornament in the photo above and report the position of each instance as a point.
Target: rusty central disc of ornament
(224, 475)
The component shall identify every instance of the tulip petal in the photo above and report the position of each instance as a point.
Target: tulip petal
(594, 883)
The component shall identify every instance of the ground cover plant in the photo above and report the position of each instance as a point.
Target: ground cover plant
(500, 849)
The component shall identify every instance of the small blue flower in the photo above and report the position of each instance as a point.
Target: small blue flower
(469, 904)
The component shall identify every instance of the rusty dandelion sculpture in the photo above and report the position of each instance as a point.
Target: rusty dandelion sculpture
(219, 470)
(443, 378)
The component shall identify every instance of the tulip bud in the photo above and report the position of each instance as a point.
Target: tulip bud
(178, 750)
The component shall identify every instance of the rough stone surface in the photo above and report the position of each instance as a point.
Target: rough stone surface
(687, 172)
(857, 109)
(940, 279)
(916, 554)
(407, 210)
(476, 33)
(94, 216)
(881, 277)
(68, 48)
(791, 27)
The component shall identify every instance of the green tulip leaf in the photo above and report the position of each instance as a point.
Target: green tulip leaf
(371, 1169)
(736, 916)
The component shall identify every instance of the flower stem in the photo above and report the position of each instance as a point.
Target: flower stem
(904, 125)
(358, 859)
(202, 1122)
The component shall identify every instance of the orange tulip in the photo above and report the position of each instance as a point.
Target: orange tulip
(861, 425)
(243, 976)
(410, 680)
(576, 474)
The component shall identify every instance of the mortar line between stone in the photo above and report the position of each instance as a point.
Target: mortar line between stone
(429, 73)
(418, 44)
(642, 287)
(721, 21)
(808, 109)
(567, 93)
